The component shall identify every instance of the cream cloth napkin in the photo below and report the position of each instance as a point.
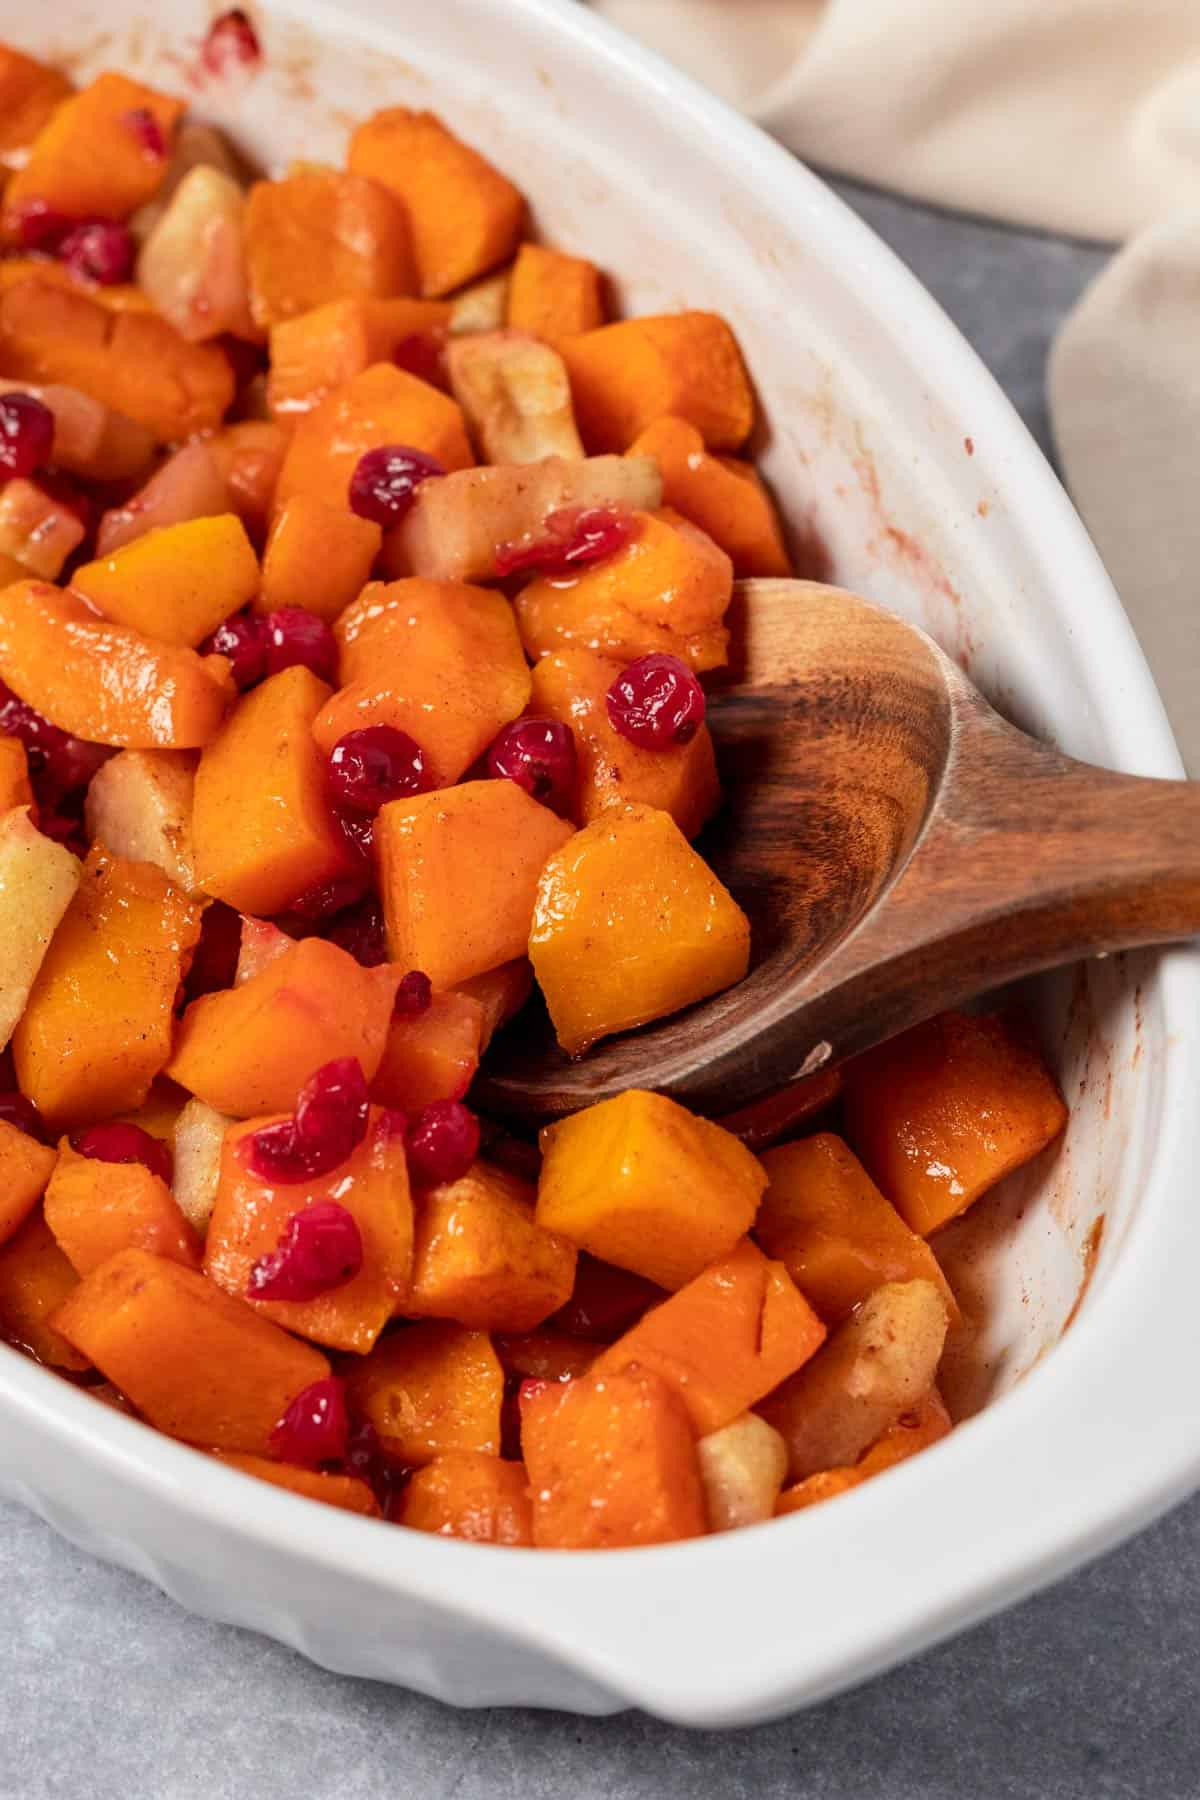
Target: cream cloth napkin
(1080, 116)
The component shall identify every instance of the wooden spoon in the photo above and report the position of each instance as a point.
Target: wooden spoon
(899, 848)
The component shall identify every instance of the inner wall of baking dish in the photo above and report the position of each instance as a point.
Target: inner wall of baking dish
(888, 487)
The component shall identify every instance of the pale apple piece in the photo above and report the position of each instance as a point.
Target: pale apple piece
(742, 1467)
(483, 306)
(89, 438)
(189, 485)
(37, 530)
(196, 146)
(457, 524)
(515, 396)
(262, 943)
(37, 881)
(193, 264)
(199, 1134)
(139, 806)
(874, 1367)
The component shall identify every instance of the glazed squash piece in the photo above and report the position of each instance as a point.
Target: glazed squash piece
(15, 787)
(249, 455)
(35, 1280)
(926, 1423)
(30, 91)
(630, 924)
(721, 495)
(687, 364)
(139, 805)
(90, 159)
(196, 1363)
(553, 295)
(640, 1182)
(481, 1257)
(25, 1168)
(432, 1055)
(428, 1389)
(383, 405)
(468, 1494)
(320, 235)
(515, 396)
(317, 557)
(323, 349)
(345, 1491)
(38, 879)
(176, 584)
(98, 1024)
(96, 1209)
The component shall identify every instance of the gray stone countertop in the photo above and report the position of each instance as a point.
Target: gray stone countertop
(1087, 1692)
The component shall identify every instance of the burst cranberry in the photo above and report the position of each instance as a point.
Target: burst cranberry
(656, 703)
(368, 768)
(241, 639)
(41, 227)
(215, 958)
(414, 995)
(146, 131)
(539, 755)
(329, 1122)
(295, 637)
(100, 250)
(359, 931)
(16, 1110)
(316, 1427)
(231, 44)
(385, 482)
(420, 353)
(320, 1248)
(120, 1142)
(572, 537)
(442, 1142)
(330, 897)
(26, 434)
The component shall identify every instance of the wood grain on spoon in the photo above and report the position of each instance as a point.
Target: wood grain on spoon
(899, 848)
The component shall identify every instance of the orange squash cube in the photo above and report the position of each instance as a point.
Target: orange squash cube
(828, 1224)
(458, 876)
(725, 1340)
(431, 1055)
(480, 1257)
(428, 1389)
(97, 1027)
(688, 364)
(913, 1431)
(263, 828)
(250, 1216)
(437, 659)
(465, 216)
(35, 1279)
(467, 1494)
(251, 1048)
(346, 1491)
(942, 1113)
(641, 1182)
(321, 235)
(176, 584)
(249, 456)
(105, 682)
(630, 924)
(553, 295)
(571, 686)
(318, 557)
(96, 1208)
(612, 1464)
(89, 160)
(722, 495)
(500, 993)
(196, 1363)
(383, 405)
(30, 92)
(25, 1168)
(324, 348)
(15, 786)
(668, 589)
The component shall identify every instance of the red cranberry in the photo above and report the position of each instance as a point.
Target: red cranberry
(242, 640)
(656, 703)
(215, 958)
(26, 434)
(296, 637)
(539, 755)
(16, 1110)
(360, 932)
(119, 1142)
(147, 132)
(329, 1121)
(420, 353)
(66, 762)
(385, 482)
(320, 1248)
(100, 250)
(231, 44)
(316, 1426)
(331, 897)
(71, 762)
(573, 536)
(368, 768)
(41, 227)
(442, 1142)
(414, 996)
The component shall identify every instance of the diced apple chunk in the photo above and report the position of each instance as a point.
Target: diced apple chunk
(196, 146)
(37, 881)
(515, 396)
(742, 1468)
(189, 485)
(199, 1134)
(262, 943)
(193, 265)
(139, 805)
(483, 306)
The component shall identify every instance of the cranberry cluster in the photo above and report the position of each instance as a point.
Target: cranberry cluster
(96, 250)
(116, 1141)
(258, 645)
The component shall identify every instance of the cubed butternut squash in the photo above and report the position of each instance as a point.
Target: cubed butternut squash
(250, 1049)
(262, 826)
(630, 924)
(641, 1182)
(96, 1208)
(25, 1168)
(30, 91)
(431, 1055)
(98, 1023)
(323, 349)
(722, 495)
(467, 1494)
(942, 1113)
(428, 1389)
(465, 216)
(176, 584)
(139, 806)
(725, 1340)
(480, 1257)
(323, 234)
(553, 295)
(924, 1424)
(317, 557)
(90, 159)
(345, 1491)
(35, 1279)
(667, 589)
(250, 1215)
(196, 1363)
(612, 1464)
(458, 876)
(437, 659)
(383, 405)
(688, 364)
(15, 786)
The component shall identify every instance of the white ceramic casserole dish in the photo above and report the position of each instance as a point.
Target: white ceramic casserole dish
(886, 439)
